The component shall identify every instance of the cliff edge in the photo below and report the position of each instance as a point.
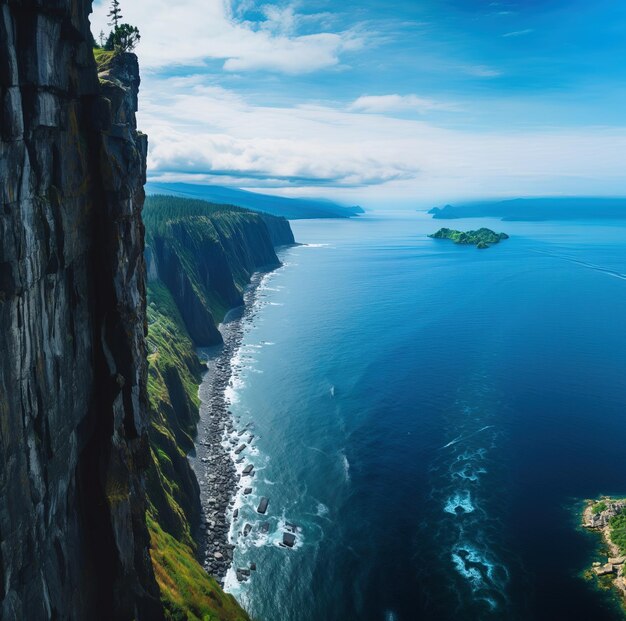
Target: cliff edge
(73, 372)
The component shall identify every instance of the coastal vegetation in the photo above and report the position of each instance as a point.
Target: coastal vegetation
(598, 507)
(188, 593)
(617, 529)
(481, 238)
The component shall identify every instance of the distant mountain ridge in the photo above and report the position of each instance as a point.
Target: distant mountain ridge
(290, 208)
(528, 209)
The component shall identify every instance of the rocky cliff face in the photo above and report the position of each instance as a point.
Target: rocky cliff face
(205, 255)
(73, 404)
(279, 230)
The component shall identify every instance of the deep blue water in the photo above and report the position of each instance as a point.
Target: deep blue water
(429, 416)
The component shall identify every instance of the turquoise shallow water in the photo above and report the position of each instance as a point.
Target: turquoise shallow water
(428, 416)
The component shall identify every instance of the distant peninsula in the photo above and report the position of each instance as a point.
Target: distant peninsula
(290, 208)
(482, 238)
(537, 209)
(607, 517)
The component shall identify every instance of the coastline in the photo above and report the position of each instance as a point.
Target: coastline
(597, 517)
(217, 438)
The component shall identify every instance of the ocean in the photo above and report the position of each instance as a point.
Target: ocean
(427, 420)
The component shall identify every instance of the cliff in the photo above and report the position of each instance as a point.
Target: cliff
(200, 257)
(206, 253)
(73, 435)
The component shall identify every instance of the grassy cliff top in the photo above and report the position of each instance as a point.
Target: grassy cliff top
(481, 238)
(159, 210)
(103, 58)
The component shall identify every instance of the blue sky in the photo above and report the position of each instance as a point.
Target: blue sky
(375, 100)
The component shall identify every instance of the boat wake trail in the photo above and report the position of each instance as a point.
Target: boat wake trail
(462, 438)
(585, 264)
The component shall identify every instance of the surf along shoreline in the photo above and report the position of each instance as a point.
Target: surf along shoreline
(216, 461)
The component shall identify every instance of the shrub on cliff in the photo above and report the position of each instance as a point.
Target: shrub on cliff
(123, 38)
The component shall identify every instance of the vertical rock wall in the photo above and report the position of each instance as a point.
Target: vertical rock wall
(73, 415)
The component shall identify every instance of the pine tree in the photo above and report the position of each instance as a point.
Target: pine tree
(101, 37)
(123, 38)
(115, 13)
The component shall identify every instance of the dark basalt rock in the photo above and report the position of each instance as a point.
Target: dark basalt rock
(73, 404)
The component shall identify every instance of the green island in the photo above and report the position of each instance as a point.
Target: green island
(606, 516)
(481, 238)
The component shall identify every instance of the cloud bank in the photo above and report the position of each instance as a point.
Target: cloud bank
(190, 32)
(269, 103)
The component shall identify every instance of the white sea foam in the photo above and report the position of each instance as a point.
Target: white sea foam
(231, 584)
(468, 474)
(322, 509)
(346, 466)
(459, 501)
(472, 574)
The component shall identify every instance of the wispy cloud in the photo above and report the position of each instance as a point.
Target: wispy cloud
(481, 71)
(400, 103)
(518, 33)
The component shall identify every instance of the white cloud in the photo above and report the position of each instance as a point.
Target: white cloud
(481, 71)
(518, 33)
(211, 134)
(191, 31)
(207, 133)
(399, 103)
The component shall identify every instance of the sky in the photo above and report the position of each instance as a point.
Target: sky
(374, 100)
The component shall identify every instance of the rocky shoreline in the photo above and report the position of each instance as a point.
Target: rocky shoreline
(597, 516)
(213, 462)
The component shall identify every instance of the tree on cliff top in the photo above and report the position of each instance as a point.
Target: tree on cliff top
(115, 13)
(123, 38)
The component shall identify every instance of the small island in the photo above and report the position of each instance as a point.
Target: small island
(482, 238)
(607, 517)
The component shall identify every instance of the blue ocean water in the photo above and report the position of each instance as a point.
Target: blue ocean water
(429, 417)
